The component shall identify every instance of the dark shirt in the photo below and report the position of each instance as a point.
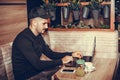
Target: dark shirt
(26, 52)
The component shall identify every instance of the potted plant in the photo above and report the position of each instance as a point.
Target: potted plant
(85, 12)
(65, 10)
(51, 8)
(117, 10)
(75, 7)
(95, 6)
(106, 11)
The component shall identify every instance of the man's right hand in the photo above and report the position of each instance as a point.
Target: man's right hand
(67, 59)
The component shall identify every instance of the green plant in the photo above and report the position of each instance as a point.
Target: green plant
(64, 1)
(75, 5)
(50, 6)
(95, 5)
(104, 26)
(117, 7)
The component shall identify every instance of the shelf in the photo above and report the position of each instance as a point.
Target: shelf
(77, 29)
(103, 3)
(82, 3)
(86, 3)
(62, 4)
(109, 22)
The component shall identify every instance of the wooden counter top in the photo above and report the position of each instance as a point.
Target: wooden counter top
(104, 71)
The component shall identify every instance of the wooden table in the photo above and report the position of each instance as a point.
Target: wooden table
(104, 71)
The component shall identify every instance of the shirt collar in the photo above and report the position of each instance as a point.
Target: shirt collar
(31, 33)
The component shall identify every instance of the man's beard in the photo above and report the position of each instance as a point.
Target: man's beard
(45, 30)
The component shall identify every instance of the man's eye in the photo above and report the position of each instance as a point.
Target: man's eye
(45, 23)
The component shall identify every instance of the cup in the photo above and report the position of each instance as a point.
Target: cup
(89, 67)
(80, 67)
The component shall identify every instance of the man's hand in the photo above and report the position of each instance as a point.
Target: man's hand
(67, 59)
(77, 54)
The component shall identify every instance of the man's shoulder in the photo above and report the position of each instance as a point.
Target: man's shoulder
(24, 35)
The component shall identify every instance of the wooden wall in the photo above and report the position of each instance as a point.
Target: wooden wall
(13, 19)
(12, 1)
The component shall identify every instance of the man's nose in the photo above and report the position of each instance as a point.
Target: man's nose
(46, 26)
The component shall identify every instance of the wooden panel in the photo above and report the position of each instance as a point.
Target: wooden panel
(3, 75)
(13, 19)
(106, 42)
(12, 1)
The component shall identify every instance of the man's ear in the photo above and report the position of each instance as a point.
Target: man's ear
(34, 22)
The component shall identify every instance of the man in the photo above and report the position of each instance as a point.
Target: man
(29, 45)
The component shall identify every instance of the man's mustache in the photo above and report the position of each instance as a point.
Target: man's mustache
(46, 29)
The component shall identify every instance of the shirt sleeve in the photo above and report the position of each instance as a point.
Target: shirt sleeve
(52, 54)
